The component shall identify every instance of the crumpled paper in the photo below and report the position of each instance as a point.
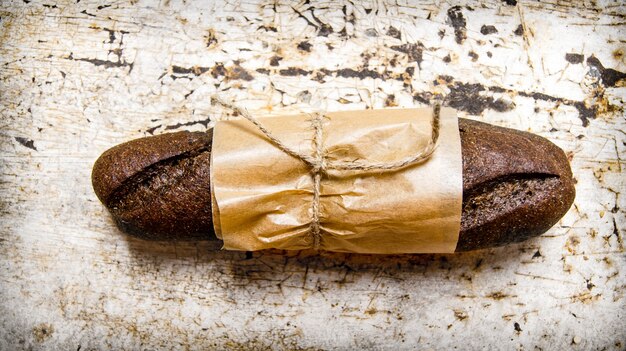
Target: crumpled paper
(262, 196)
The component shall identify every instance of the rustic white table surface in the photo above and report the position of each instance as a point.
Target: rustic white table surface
(79, 77)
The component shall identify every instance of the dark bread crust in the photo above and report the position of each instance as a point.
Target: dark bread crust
(158, 187)
(515, 185)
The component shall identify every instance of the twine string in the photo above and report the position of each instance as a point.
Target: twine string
(317, 179)
(318, 165)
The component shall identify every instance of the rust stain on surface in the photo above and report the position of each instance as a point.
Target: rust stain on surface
(586, 297)
(498, 295)
(42, 332)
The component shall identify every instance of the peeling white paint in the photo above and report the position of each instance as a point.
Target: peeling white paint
(78, 78)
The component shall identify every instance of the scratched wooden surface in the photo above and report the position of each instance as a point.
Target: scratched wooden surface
(78, 78)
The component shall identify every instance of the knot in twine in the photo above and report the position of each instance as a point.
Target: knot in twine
(318, 164)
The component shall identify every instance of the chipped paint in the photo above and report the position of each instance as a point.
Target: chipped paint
(78, 78)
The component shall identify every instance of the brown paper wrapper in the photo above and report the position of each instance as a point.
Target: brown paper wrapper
(262, 196)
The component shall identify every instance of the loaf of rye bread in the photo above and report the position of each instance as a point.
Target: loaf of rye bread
(516, 185)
